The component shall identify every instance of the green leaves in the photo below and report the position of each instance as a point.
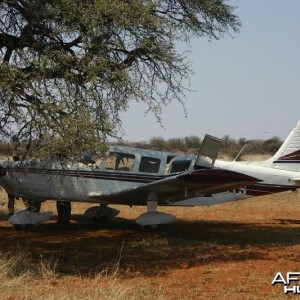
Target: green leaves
(69, 67)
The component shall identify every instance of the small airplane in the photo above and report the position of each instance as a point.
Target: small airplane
(131, 176)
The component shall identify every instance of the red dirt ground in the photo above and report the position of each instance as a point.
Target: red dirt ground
(227, 251)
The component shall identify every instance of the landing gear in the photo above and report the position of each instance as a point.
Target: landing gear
(32, 205)
(24, 219)
(100, 214)
(152, 218)
(63, 212)
(11, 204)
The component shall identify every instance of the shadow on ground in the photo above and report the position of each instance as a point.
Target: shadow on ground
(87, 249)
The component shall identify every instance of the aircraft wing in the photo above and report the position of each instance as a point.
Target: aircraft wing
(179, 187)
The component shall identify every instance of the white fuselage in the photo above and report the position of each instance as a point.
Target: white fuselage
(76, 181)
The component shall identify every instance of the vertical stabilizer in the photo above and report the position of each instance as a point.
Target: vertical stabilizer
(288, 155)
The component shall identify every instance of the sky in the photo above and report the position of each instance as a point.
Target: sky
(243, 86)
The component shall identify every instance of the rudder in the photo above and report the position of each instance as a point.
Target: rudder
(288, 155)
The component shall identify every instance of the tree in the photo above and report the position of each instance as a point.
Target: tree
(157, 143)
(242, 141)
(226, 141)
(192, 141)
(175, 144)
(69, 67)
(272, 145)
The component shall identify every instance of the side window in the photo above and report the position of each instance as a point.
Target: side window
(179, 166)
(149, 164)
(119, 161)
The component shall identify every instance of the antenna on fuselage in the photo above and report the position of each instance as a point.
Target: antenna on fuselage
(239, 154)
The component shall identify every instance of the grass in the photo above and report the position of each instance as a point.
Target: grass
(227, 251)
(44, 282)
(10, 275)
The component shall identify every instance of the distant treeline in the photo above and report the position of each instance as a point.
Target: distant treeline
(189, 145)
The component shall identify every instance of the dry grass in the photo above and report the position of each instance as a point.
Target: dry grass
(227, 251)
(10, 277)
(21, 278)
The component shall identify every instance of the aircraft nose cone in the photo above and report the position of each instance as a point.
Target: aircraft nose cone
(2, 171)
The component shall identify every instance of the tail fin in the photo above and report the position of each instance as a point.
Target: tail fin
(288, 155)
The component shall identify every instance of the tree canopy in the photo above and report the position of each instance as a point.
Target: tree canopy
(69, 67)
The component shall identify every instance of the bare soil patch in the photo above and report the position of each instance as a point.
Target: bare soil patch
(227, 251)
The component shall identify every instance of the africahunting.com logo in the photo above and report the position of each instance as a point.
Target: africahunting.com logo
(289, 282)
